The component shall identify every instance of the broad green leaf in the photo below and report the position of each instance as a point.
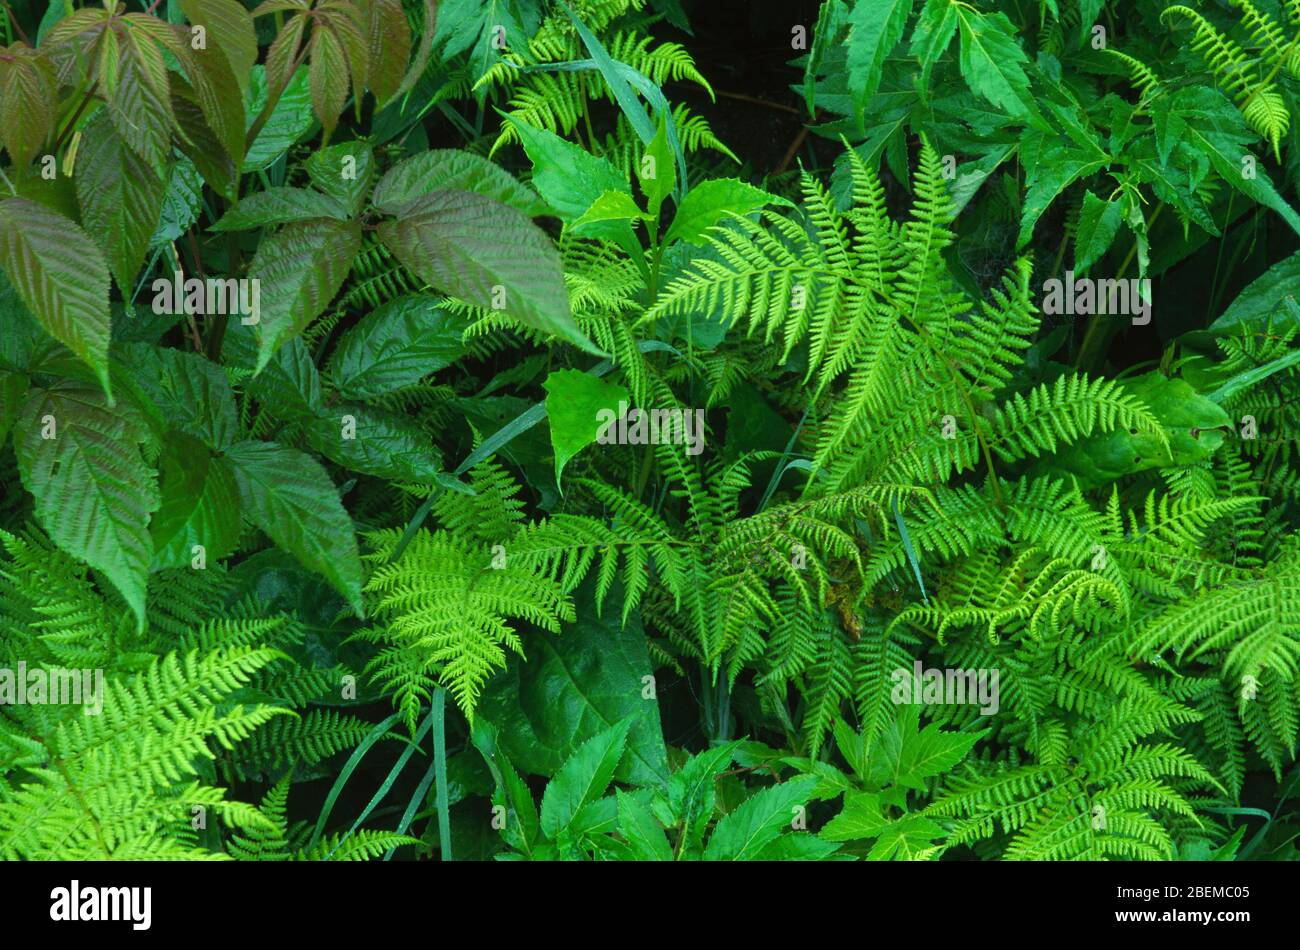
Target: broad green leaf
(528, 828)
(825, 44)
(374, 442)
(657, 172)
(81, 461)
(182, 391)
(199, 143)
(329, 77)
(1189, 419)
(583, 777)
(907, 757)
(861, 817)
(27, 103)
(576, 405)
(218, 94)
(13, 391)
(1057, 166)
(181, 203)
(1264, 299)
(396, 346)
(907, 839)
(288, 386)
(569, 178)
(228, 27)
(121, 197)
(637, 824)
(797, 847)
(61, 276)
(199, 505)
(288, 495)
(1099, 222)
(344, 172)
(611, 206)
(708, 203)
(933, 35)
(140, 106)
(992, 61)
(972, 175)
(280, 206)
(451, 168)
(692, 792)
(388, 40)
(23, 341)
(758, 821)
(1214, 129)
(874, 30)
(290, 120)
(486, 253)
(573, 686)
(300, 269)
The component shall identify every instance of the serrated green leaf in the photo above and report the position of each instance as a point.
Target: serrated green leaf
(486, 253)
(657, 172)
(1099, 222)
(758, 820)
(229, 27)
(583, 777)
(708, 203)
(874, 30)
(280, 206)
(861, 817)
(637, 824)
(575, 404)
(199, 505)
(569, 178)
(573, 686)
(1214, 129)
(121, 198)
(61, 276)
(81, 461)
(183, 391)
(290, 120)
(992, 61)
(301, 268)
(451, 168)
(288, 495)
(344, 172)
(374, 442)
(396, 346)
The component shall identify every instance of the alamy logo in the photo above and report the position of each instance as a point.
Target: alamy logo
(103, 903)
(652, 427)
(1107, 296)
(38, 686)
(241, 296)
(946, 687)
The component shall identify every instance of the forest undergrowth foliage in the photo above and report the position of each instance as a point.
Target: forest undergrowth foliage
(430, 430)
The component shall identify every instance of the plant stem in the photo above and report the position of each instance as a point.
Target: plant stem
(17, 26)
(90, 93)
(440, 772)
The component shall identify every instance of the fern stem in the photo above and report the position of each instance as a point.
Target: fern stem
(94, 822)
(586, 113)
